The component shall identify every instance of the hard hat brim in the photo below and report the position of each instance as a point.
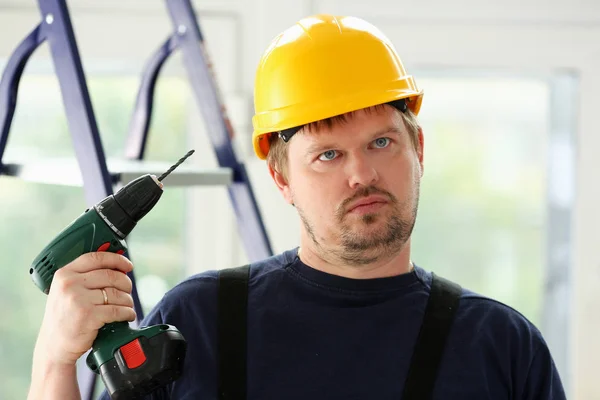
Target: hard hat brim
(278, 120)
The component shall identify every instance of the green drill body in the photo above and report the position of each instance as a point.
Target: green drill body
(86, 234)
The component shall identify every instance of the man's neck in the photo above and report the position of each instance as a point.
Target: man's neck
(394, 265)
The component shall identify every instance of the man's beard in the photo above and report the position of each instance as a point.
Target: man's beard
(361, 248)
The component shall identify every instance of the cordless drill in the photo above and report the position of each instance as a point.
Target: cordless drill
(131, 362)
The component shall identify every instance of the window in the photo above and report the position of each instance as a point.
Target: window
(498, 191)
(483, 214)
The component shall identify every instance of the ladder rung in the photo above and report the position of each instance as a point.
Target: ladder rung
(66, 172)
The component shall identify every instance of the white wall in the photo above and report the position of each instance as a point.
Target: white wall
(535, 36)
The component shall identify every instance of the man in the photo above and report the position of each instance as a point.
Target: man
(344, 315)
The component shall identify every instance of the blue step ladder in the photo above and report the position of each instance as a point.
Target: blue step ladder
(99, 177)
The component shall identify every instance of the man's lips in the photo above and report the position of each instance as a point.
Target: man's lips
(367, 201)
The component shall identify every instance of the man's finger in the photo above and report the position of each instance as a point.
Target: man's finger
(112, 313)
(102, 278)
(97, 260)
(111, 296)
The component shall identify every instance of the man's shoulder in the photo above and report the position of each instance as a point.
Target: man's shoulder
(491, 336)
(498, 321)
(204, 284)
(496, 313)
(482, 314)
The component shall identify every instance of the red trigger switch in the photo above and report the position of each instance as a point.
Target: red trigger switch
(104, 247)
(133, 354)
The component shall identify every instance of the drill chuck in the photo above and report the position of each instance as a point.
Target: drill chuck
(131, 203)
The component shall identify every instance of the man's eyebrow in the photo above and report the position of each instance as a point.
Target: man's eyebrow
(389, 129)
(318, 148)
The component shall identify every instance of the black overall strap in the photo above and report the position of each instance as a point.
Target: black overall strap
(439, 314)
(232, 305)
(232, 308)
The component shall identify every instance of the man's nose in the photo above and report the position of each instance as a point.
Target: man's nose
(361, 172)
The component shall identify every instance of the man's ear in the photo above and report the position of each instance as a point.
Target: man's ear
(421, 149)
(281, 183)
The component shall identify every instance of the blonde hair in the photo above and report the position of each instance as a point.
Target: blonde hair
(277, 156)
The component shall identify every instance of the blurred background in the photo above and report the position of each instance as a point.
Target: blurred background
(510, 192)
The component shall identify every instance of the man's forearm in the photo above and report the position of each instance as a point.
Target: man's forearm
(52, 381)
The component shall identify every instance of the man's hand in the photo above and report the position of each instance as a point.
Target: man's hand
(76, 307)
(86, 294)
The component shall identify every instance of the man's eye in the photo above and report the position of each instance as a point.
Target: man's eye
(328, 155)
(382, 142)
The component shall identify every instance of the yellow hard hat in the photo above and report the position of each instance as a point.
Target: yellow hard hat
(325, 66)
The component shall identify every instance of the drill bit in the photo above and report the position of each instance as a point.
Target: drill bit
(177, 164)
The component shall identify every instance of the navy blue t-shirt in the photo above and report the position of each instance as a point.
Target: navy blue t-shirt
(312, 335)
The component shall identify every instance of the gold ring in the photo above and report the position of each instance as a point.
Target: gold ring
(105, 296)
